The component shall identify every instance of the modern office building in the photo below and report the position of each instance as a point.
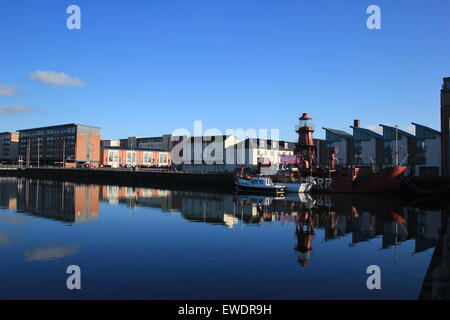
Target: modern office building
(367, 146)
(399, 147)
(428, 151)
(342, 143)
(116, 157)
(445, 127)
(68, 145)
(9, 147)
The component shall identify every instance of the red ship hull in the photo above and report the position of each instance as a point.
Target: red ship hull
(362, 180)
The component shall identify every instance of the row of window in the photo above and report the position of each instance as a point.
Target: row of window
(47, 132)
(130, 158)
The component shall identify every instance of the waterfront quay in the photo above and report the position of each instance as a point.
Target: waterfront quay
(148, 177)
(187, 180)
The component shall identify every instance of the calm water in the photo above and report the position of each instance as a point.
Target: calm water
(148, 243)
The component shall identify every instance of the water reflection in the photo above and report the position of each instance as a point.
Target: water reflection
(63, 201)
(364, 217)
(316, 226)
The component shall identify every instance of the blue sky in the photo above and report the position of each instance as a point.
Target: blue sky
(149, 67)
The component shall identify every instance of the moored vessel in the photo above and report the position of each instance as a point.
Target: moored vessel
(331, 178)
(258, 184)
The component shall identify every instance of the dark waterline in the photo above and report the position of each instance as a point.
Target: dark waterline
(158, 244)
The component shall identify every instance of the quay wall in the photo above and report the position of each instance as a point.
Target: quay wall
(163, 179)
(181, 180)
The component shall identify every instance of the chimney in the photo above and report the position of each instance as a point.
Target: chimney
(356, 123)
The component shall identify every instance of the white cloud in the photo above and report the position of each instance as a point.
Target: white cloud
(16, 109)
(57, 78)
(6, 90)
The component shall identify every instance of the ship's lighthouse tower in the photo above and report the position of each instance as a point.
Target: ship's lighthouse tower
(305, 146)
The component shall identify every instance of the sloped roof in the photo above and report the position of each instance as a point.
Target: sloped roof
(340, 133)
(368, 132)
(401, 132)
(426, 128)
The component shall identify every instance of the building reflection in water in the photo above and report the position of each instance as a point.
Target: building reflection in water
(63, 201)
(362, 217)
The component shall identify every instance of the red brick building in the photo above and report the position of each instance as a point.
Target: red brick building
(68, 145)
(116, 157)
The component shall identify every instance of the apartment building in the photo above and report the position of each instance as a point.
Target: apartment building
(254, 152)
(68, 145)
(9, 147)
(399, 146)
(428, 151)
(342, 143)
(367, 146)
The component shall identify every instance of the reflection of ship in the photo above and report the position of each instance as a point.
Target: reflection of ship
(293, 183)
(385, 180)
(301, 197)
(360, 218)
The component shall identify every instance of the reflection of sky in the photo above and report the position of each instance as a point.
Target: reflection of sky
(145, 253)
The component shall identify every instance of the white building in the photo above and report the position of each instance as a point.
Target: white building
(253, 152)
(428, 151)
(226, 153)
(205, 153)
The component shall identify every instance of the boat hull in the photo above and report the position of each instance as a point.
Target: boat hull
(245, 185)
(301, 187)
(385, 181)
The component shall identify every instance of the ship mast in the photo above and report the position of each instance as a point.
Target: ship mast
(396, 145)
